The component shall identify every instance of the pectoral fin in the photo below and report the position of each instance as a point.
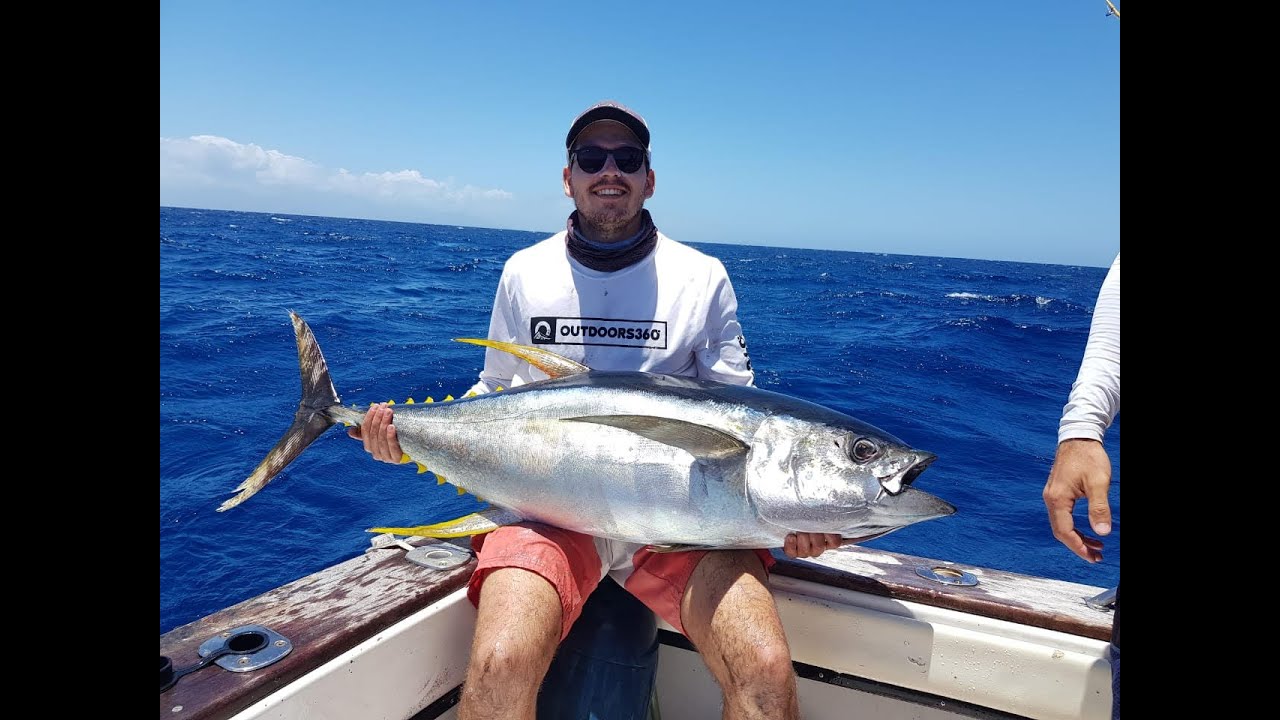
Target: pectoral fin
(473, 524)
(697, 440)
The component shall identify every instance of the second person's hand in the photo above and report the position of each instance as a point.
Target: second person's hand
(805, 545)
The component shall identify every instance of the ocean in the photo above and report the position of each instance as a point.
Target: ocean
(970, 359)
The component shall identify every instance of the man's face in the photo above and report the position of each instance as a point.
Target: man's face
(609, 200)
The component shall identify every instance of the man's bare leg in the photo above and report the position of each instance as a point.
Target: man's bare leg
(729, 614)
(517, 631)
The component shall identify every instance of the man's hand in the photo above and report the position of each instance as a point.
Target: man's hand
(379, 435)
(1081, 469)
(803, 545)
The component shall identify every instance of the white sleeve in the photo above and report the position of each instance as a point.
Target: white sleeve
(724, 357)
(1095, 395)
(499, 367)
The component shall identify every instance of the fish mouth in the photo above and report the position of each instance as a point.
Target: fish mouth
(926, 459)
(896, 484)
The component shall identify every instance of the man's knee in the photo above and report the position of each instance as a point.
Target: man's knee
(773, 660)
(521, 648)
(760, 684)
(506, 662)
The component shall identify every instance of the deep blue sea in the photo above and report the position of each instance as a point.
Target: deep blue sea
(970, 359)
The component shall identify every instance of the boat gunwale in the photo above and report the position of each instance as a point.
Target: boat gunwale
(331, 611)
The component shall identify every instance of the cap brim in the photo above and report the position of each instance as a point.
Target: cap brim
(632, 123)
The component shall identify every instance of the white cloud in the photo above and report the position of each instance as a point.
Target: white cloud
(212, 171)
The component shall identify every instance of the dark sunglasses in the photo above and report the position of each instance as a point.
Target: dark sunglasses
(592, 159)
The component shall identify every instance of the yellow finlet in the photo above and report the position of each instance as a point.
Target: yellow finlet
(404, 458)
(429, 400)
(462, 490)
(391, 402)
(422, 468)
(447, 398)
(440, 479)
(409, 401)
(499, 389)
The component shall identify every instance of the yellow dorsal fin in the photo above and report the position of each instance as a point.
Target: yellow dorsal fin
(548, 362)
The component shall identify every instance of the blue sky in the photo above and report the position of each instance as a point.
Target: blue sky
(942, 128)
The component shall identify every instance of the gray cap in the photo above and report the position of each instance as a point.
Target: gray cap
(609, 110)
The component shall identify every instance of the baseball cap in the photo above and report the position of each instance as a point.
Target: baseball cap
(609, 110)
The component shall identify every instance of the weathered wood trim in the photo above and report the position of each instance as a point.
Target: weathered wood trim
(1024, 599)
(322, 615)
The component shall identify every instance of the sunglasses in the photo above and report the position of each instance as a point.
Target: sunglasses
(592, 159)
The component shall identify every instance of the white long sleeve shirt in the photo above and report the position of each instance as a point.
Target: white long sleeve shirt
(1095, 395)
(674, 312)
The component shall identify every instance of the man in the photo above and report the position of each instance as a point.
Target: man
(1081, 468)
(613, 293)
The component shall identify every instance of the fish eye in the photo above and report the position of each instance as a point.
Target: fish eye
(863, 450)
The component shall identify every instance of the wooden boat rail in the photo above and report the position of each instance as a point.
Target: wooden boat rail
(331, 611)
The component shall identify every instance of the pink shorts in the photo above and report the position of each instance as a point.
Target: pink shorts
(569, 561)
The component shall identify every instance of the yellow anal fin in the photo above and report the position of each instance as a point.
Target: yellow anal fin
(545, 360)
(474, 524)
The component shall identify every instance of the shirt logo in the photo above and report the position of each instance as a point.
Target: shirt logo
(598, 331)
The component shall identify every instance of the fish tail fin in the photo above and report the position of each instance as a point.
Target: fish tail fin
(309, 423)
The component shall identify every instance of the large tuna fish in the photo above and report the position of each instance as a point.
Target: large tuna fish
(675, 462)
